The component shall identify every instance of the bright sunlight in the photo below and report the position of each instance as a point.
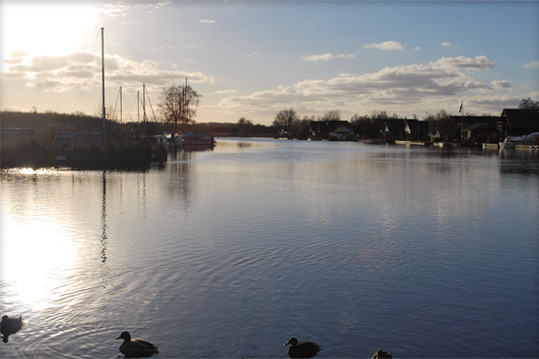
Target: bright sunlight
(43, 28)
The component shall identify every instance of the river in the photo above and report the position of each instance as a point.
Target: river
(227, 253)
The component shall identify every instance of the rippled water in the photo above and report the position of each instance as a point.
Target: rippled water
(422, 252)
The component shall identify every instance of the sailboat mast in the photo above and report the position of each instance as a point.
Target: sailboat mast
(103, 83)
(121, 108)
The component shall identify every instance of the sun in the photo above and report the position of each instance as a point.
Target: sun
(43, 28)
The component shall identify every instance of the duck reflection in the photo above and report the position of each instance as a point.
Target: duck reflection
(10, 326)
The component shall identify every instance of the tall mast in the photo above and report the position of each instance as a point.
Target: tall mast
(103, 83)
(144, 103)
(144, 109)
(186, 102)
(121, 109)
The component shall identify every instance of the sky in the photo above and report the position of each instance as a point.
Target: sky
(252, 59)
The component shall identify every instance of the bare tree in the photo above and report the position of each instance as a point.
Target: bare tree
(179, 104)
(284, 119)
(528, 104)
(333, 115)
(443, 124)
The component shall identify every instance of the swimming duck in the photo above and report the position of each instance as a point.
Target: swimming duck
(10, 326)
(302, 349)
(381, 354)
(136, 348)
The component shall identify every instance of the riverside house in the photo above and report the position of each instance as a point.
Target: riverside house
(517, 122)
(405, 130)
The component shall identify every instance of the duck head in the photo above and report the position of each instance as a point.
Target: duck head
(292, 341)
(125, 336)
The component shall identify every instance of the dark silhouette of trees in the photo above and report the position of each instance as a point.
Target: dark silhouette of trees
(178, 105)
(284, 119)
(244, 127)
(528, 104)
(443, 124)
(332, 115)
(369, 127)
(301, 129)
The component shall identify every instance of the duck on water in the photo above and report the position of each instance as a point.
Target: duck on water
(302, 349)
(136, 348)
(10, 326)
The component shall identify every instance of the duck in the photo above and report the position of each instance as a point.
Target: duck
(136, 348)
(302, 349)
(10, 326)
(381, 354)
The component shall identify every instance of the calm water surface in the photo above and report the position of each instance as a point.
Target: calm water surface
(226, 254)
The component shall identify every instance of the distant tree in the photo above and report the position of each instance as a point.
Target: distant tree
(333, 115)
(369, 127)
(284, 119)
(244, 127)
(178, 104)
(443, 124)
(301, 128)
(528, 104)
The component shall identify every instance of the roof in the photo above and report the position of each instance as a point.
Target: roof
(343, 130)
(475, 126)
(520, 118)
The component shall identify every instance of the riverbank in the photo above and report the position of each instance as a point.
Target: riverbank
(136, 154)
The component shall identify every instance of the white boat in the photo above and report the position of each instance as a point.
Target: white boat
(512, 142)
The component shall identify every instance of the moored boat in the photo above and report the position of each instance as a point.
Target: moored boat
(512, 142)
(195, 140)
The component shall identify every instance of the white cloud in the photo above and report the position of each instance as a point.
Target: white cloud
(206, 21)
(447, 44)
(78, 70)
(498, 102)
(386, 45)
(502, 84)
(400, 86)
(462, 62)
(226, 92)
(532, 65)
(328, 57)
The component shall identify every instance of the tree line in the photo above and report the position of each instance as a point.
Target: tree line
(179, 103)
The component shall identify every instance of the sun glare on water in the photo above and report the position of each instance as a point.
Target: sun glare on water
(43, 28)
(37, 256)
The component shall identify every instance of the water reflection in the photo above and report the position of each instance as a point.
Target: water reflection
(37, 257)
(257, 238)
(179, 186)
(104, 220)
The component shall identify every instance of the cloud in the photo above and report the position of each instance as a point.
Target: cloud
(462, 62)
(531, 65)
(386, 45)
(447, 44)
(328, 57)
(494, 101)
(206, 21)
(402, 86)
(78, 70)
(503, 84)
(226, 92)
